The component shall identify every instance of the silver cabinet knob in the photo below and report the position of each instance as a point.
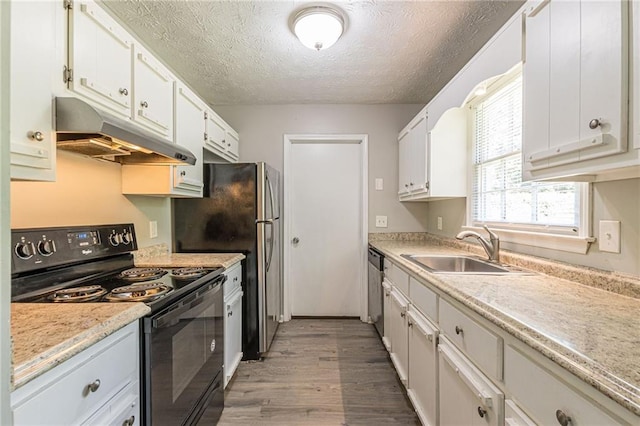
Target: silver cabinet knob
(295, 240)
(36, 136)
(459, 330)
(595, 123)
(144, 104)
(482, 412)
(94, 386)
(123, 91)
(130, 421)
(183, 173)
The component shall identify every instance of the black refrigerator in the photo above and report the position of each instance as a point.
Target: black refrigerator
(239, 213)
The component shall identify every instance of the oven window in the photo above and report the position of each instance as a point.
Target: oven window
(188, 358)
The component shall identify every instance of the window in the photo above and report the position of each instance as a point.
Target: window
(499, 198)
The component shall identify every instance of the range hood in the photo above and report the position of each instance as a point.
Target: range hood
(83, 129)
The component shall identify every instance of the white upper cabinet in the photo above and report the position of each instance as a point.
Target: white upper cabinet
(575, 78)
(100, 58)
(153, 94)
(433, 164)
(174, 181)
(190, 129)
(220, 138)
(32, 63)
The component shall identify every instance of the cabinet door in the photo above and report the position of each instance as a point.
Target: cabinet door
(189, 132)
(466, 396)
(100, 54)
(216, 134)
(574, 105)
(233, 336)
(399, 334)
(31, 71)
(233, 145)
(423, 367)
(404, 164)
(153, 94)
(418, 157)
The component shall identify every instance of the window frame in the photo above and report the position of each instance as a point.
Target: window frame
(562, 238)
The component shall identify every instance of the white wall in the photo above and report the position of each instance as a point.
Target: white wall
(88, 192)
(262, 128)
(615, 200)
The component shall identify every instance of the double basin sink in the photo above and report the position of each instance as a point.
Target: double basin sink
(461, 265)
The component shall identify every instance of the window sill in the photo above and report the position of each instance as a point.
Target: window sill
(536, 239)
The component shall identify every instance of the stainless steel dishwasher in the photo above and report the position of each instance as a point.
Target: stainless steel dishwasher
(376, 273)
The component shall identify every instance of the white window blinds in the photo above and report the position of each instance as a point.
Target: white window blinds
(498, 193)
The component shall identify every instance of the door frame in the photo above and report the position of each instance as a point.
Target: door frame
(288, 141)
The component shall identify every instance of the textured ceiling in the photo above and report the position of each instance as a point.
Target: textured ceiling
(244, 53)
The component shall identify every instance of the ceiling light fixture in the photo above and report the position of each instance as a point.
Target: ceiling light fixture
(318, 27)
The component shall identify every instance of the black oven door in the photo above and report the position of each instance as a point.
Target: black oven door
(183, 357)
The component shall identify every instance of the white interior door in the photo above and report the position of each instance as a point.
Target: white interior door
(325, 238)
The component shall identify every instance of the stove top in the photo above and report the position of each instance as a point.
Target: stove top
(94, 265)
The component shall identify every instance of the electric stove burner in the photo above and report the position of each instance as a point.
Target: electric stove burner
(78, 294)
(188, 273)
(141, 292)
(142, 274)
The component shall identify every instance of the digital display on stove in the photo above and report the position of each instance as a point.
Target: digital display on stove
(83, 239)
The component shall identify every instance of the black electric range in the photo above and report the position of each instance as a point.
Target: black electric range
(90, 264)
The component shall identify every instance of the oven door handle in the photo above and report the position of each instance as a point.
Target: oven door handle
(172, 317)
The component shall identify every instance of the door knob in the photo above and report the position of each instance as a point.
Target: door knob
(295, 240)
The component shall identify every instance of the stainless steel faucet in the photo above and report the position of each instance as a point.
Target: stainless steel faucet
(492, 247)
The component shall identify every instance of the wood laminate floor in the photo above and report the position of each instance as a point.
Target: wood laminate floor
(319, 372)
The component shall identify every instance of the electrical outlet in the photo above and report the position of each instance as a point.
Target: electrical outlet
(153, 229)
(381, 221)
(439, 223)
(609, 236)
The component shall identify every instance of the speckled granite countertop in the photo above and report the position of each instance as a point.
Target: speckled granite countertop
(593, 333)
(44, 335)
(159, 256)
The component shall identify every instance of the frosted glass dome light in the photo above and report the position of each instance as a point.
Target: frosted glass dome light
(318, 27)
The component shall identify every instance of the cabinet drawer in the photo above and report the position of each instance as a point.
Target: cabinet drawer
(63, 395)
(423, 298)
(234, 280)
(483, 347)
(123, 409)
(397, 277)
(543, 395)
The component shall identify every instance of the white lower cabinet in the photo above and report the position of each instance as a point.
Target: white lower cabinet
(467, 397)
(399, 334)
(423, 367)
(99, 385)
(232, 321)
(546, 398)
(386, 308)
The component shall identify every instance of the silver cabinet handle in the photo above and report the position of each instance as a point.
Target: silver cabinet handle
(595, 123)
(123, 91)
(562, 418)
(295, 240)
(130, 421)
(94, 386)
(482, 412)
(36, 136)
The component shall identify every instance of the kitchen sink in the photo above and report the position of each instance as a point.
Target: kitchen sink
(460, 265)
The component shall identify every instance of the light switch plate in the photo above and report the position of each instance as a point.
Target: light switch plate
(381, 221)
(379, 184)
(609, 236)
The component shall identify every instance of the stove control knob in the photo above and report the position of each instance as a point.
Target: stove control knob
(125, 237)
(114, 239)
(46, 247)
(25, 250)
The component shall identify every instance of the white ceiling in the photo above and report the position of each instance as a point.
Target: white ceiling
(243, 52)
